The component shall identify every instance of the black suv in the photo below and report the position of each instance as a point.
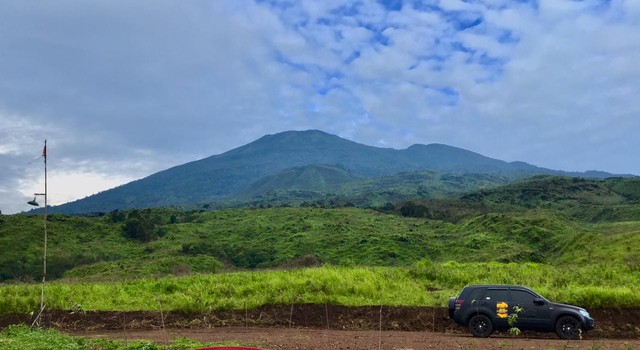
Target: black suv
(485, 308)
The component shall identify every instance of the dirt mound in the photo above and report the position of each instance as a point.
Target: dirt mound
(610, 323)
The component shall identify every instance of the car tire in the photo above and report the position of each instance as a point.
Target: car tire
(480, 326)
(568, 327)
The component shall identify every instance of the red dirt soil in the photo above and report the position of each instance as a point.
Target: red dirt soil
(331, 327)
(323, 339)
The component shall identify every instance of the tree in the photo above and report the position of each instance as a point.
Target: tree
(140, 229)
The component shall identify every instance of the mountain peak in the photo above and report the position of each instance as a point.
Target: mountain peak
(310, 140)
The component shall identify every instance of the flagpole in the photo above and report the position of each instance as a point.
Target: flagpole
(44, 259)
(36, 320)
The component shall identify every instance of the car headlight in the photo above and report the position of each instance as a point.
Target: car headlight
(584, 313)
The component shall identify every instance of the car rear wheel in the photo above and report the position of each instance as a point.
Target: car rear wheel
(480, 326)
(568, 327)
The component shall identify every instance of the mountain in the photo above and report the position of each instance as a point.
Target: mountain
(278, 162)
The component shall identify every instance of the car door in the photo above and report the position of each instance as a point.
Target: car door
(535, 311)
(496, 302)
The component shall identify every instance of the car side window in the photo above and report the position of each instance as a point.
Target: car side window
(496, 294)
(521, 297)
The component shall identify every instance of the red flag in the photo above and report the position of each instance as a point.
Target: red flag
(44, 150)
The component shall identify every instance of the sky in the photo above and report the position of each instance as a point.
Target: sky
(121, 89)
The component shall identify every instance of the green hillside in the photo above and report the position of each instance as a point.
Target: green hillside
(614, 199)
(162, 242)
(544, 219)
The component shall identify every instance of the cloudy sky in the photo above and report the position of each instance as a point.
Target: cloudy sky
(122, 89)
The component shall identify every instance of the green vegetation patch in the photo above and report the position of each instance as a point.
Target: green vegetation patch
(21, 337)
(177, 242)
(424, 284)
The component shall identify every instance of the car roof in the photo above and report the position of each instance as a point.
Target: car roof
(496, 286)
(471, 287)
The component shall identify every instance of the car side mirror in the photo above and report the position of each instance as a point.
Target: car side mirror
(538, 301)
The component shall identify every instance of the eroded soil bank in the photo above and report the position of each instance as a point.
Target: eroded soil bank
(610, 323)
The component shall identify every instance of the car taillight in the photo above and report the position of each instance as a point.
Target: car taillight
(459, 303)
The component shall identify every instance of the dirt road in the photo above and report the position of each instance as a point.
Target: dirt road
(318, 339)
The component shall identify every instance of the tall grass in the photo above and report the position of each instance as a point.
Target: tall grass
(424, 284)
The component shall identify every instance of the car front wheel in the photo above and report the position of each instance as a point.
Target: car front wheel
(568, 327)
(480, 326)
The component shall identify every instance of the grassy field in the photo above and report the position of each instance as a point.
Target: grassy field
(423, 284)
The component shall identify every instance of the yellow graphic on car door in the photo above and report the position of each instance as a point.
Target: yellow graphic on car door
(502, 309)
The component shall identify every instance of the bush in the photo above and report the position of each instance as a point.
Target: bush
(140, 230)
(309, 260)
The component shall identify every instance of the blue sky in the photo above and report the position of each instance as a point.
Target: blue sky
(122, 89)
